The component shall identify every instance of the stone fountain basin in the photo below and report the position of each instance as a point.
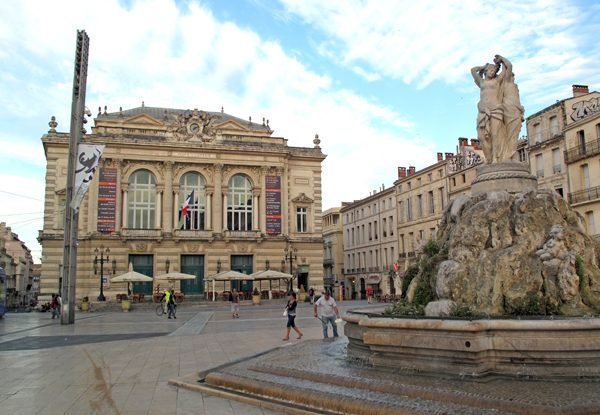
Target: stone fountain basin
(562, 348)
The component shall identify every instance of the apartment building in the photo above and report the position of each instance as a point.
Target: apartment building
(333, 249)
(582, 155)
(370, 244)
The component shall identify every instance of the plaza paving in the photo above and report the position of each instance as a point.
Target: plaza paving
(120, 363)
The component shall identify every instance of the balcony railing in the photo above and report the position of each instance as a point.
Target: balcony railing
(192, 234)
(141, 233)
(540, 173)
(242, 234)
(585, 195)
(582, 151)
(557, 168)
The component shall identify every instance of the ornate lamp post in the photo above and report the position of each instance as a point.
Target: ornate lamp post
(102, 255)
(290, 255)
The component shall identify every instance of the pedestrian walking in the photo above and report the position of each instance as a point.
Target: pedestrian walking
(234, 304)
(326, 310)
(290, 310)
(171, 305)
(56, 305)
(369, 295)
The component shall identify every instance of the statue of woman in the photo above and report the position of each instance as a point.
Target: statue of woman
(500, 111)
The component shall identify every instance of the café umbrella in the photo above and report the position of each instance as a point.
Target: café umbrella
(227, 276)
(175, 276)
(270, 275)
(131, 276)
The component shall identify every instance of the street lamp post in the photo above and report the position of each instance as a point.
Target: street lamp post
(290, 255)
(102, 254)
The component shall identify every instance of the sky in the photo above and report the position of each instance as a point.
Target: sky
(383, 83)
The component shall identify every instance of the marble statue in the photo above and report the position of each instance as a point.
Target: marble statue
(500, 111)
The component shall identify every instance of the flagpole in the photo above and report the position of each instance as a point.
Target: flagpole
(71, 214)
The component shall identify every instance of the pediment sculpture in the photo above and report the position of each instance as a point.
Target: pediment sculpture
(194, 126)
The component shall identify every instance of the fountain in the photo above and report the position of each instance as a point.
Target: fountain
(512, 260)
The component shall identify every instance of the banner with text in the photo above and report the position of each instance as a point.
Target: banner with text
(107, 200)
(273, 204)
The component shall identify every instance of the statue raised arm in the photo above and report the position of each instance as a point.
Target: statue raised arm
(497, 110)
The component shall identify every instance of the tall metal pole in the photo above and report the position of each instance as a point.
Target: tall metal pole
(72, 215)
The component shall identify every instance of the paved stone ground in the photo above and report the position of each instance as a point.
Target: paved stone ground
(120, 363)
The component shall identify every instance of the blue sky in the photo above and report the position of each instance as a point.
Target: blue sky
(383, 83)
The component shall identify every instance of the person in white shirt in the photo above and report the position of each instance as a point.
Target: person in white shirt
(326, 308)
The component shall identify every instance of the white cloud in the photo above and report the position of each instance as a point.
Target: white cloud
(426, 41)
(155, 52)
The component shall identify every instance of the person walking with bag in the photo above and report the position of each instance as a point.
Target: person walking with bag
(290, 311)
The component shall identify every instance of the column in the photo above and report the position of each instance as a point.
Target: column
(224, 215)
(124, 206)
(157, 217)
(255, 210)
(167, 214)
(208, 211)
(218, 208)
(175, 206)
(262, 201)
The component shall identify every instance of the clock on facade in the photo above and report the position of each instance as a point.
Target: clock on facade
(194, 128)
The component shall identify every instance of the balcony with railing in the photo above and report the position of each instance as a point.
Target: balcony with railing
(580, 152)
(141, 233)
(557, 168)
(585, 195)
(191, 234)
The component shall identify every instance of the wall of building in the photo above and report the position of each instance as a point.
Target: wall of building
(165, 143)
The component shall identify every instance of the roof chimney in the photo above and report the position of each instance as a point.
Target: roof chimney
(463, 142)
(475, 144)
(449, 156)
(579, 90)
(411, 170)
(440, 156)
(401, 172)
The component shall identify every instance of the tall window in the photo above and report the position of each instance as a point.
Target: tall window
(431, 203)
(239, 204)
(141, 200)
(408, 209)
(192, 184)
(539, 165)
(537, 133)
(591, 223)
(553, 126)
(301, 219)
(581, 141)
(556, 161)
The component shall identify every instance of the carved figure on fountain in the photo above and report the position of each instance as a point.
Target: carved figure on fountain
(506, 254)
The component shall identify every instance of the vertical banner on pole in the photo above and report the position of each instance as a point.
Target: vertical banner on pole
(71, 214)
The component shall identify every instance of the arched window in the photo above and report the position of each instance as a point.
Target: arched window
(192, 186)
(141, 200)
(239, 204)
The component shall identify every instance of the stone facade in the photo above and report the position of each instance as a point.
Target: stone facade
(421, 198)
(333, 254)
(370, 244)
(582, 157)
(188, 191)
(17, 262)
(546, 145)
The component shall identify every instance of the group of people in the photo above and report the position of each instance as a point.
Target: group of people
(325, 309)
(169, 298)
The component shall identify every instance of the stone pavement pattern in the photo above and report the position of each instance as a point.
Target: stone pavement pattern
(123, 371)
(121, 363)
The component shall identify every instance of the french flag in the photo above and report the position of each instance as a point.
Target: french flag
(186, 204)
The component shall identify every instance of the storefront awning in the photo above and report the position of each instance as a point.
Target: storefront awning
(373, 279)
